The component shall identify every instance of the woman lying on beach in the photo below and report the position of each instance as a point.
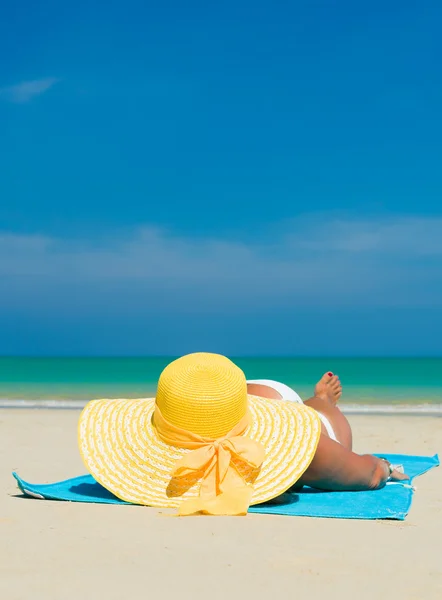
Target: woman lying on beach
(334, 466)
(210, 442)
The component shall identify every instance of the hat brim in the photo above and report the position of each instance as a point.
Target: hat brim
(122, 451)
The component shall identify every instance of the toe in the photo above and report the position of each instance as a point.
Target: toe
(333, 381)
(335, 385)
(327, 377)
(324, 381)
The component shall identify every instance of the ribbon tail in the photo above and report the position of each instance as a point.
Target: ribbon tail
(233, 502)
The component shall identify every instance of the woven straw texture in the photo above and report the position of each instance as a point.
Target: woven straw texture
(205, 394)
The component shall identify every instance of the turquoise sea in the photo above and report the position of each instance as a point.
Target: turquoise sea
(365, 380)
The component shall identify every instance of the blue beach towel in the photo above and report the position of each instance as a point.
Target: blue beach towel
(391, 502)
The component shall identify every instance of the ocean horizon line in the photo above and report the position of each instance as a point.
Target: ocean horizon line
(433, 410)
(233, 356)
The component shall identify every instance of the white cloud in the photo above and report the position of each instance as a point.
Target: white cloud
(404, 236)
(317, 262)
(27, 90)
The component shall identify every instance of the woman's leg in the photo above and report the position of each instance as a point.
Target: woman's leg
(334, 466)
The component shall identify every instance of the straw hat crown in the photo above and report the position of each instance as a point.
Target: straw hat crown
(203, 393)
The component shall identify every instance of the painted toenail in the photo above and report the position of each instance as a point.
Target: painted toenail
(330, 374)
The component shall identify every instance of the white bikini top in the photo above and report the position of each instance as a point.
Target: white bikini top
(286, 392)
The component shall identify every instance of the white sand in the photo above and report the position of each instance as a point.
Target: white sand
(67, 551)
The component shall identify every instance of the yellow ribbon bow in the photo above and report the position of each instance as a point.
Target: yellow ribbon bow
(223, 490)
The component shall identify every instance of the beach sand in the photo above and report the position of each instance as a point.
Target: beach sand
(67, 551)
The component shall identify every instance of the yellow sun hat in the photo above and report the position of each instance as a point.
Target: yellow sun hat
(203, 445)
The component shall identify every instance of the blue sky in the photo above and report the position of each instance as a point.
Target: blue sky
(247, 178)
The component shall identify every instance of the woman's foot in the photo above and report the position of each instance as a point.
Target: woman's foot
(329, 388)
(328, 391)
